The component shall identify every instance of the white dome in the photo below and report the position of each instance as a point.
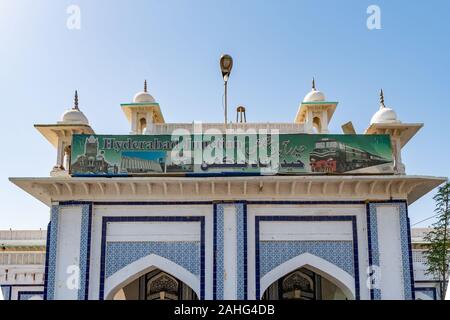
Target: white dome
(143, 97)
(384, 115)
(314, 96)
(74, 116)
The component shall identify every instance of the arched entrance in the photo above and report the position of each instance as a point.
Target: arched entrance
(303, 284)
(326, 280)
(152, 271)
(156, 285)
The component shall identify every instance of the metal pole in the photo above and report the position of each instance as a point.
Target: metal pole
(226, 103)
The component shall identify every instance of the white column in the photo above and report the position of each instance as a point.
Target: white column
(149, 119)
(389, 246)
(68, 253)
(324, 122)
(398, 156)
(134, 123)
(230, 252)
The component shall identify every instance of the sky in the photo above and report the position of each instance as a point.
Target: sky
(277, 47)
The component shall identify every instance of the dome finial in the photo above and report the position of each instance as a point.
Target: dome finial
(314, 84)
(382, 99)
(75, 101)
(145, 85)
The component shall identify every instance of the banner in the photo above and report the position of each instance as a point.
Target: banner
(253, 154)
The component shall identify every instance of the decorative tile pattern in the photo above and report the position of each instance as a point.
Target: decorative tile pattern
(47, 254)
(405, 243)
(85, 246)
(405, 239)
(241, 211)
(51, 247)
(218, 252)
(354, 243)
(107, 220)
(372, 236)
(121, 254)
(275, 253)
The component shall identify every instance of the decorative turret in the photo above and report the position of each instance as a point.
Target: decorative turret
(143, 112)
(73, 121)
(385, 121)
(315, 112)
(385, 114)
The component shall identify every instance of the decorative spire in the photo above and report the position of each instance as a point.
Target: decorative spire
(314, 84)
(382, 99)
(75, 102)
(145, 85)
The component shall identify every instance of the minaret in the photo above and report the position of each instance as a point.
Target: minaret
(73, 121)
(143, 112)
(315, 112)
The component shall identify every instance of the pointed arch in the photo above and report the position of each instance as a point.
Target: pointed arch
(326, 269)
(140, 267)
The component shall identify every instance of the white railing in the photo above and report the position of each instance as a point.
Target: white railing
(23, 234)
(168, 128)
(22, 258)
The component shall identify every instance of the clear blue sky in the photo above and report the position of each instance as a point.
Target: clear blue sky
(278, 46)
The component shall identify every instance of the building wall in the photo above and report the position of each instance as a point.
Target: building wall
(230, 250)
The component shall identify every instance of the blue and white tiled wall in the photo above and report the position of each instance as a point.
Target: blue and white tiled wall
(121, 254)
(52, 243)
(50, 268)
(190, 255)
(275, 253)
(405, 245)
(240, 210)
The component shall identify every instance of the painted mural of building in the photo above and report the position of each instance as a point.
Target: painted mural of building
(326, 234)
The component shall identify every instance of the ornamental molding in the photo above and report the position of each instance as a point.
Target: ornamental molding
(269, 188)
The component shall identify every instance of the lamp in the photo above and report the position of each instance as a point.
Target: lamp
(226, 64)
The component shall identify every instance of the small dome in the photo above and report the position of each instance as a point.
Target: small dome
(143, 97)
(74, 116)
(384, 115)
(314, 96)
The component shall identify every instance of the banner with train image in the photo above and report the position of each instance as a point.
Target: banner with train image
(284, 154)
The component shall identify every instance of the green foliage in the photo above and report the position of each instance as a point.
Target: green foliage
(438, 254)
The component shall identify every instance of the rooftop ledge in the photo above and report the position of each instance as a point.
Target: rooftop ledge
(283, 127)
(301, 188)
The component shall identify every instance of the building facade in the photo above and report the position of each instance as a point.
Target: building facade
(335, 231)
(22, 258)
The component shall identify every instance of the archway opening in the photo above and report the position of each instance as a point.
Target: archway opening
(317, 125)
(304, 284)
(142, 125)
(156, 285)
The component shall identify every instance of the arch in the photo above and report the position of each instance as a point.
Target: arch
(320, 266)
(142, 125)
(317, 124)
(140, 267)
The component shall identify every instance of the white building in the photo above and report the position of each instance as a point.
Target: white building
(426, 287)
(22, 258)
(327, 234)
